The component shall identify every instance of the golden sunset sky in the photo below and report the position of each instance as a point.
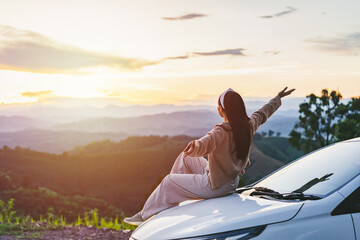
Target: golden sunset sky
(176, 51)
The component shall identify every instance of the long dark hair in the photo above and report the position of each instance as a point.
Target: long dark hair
(235, 110)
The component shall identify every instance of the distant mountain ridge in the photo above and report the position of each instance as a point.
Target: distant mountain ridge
(18, 123)
(192, 123)
(54, 141)
(42, 136)
(65, 110)
(177, 123)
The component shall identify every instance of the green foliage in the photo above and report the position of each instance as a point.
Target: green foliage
(324, 120)
(44, 202)
(11, 229)
(15, 225)
(5, 182)
(241, 182)
(92, 219)
(271, 133)
(257, 136)
(316, 121)
(6, 212)
(349, 127)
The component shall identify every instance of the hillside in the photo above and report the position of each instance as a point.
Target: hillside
(261, 165)
(278, 148)
(122, 174)
(53, 141)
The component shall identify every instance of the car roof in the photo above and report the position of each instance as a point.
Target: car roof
(353, 140)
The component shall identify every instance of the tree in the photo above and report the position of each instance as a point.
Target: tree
(5, 182)
(278, 134)
(263, 134)
(316, 121)
(257, 136)
(270, 133)
(6, 148)
(349, 127)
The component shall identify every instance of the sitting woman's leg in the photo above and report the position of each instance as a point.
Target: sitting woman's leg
(189, 165)
(175, 188)
(188, 180)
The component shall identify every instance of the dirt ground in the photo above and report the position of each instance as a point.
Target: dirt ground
(73, 233)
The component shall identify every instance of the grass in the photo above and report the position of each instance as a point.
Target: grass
(33, 229)
(12, 224)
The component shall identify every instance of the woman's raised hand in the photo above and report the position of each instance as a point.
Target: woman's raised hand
(284, 93)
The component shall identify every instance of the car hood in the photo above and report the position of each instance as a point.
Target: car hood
(201, 217)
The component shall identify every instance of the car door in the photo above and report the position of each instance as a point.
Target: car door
(355, 212)
(351, 205)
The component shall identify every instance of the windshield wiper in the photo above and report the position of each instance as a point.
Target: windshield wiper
(263, 191)
(300, 196)
(260, 189)
(312, 182)
(286, 196)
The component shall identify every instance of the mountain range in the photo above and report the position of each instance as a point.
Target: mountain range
(58, 137)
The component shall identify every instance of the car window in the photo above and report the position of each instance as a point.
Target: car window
(355, 203)
(319, 173)
(350, 205)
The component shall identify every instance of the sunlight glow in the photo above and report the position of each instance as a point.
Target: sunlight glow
(130, 52)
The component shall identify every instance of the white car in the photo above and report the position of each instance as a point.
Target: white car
(314, 197)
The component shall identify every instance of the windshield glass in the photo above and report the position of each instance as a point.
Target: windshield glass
(318, 173)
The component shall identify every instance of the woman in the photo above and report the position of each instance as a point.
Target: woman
(227, 146)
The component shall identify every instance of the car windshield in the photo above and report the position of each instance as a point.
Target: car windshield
(319, 173)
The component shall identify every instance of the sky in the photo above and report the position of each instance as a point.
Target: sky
(176, 51)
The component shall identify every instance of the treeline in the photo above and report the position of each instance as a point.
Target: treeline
(269, 133)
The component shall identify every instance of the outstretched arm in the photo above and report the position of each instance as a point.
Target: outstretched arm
(204, 145)
(260, 116)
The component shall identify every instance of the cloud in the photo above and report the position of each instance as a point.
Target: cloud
(23, 50)
(201, 98)
(233, 52)
(280, 14)
(185, 17)
(179, 57)
(347, 44)
(272, 52)
(37, 94)
(236, 52)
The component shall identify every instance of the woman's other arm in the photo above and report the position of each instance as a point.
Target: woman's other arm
(206, 144)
